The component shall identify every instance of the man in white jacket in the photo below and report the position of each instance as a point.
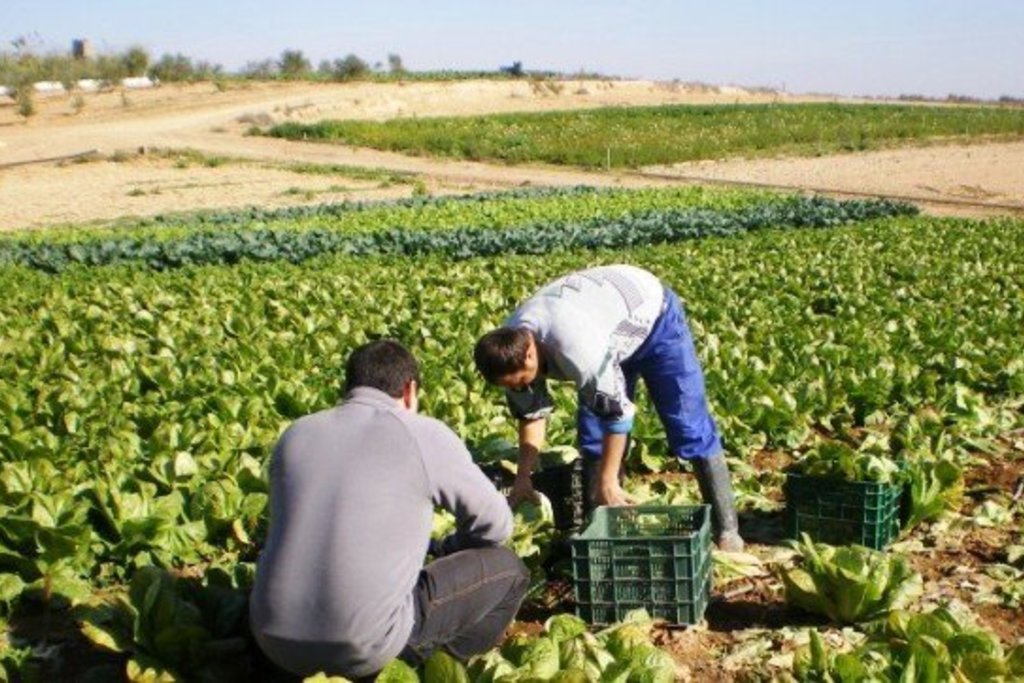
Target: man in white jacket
(602, 329)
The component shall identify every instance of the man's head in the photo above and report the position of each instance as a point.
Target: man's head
(385, 365)
(507, 357)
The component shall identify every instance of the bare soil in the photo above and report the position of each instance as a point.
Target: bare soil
(949, 179)
(953, 564)
(733, 643)
(214, 121)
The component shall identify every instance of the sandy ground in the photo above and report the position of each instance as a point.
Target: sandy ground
(147, 186)
(945, 177)
(35, 192)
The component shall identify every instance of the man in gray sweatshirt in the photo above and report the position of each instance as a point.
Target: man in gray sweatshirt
(341, 586)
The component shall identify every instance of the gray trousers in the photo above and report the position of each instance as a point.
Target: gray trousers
(464, 602)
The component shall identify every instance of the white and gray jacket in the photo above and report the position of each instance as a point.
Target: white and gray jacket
(586, 324)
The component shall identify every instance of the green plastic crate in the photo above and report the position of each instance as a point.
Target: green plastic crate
(654, 557)
(842, 512)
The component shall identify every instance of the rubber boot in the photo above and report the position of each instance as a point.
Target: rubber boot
(716, 490)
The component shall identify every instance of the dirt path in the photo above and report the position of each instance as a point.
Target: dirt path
(214, 121)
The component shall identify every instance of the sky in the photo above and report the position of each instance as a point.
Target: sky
(863, 47)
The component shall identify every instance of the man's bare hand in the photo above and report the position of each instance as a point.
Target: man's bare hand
(611, 494)
(522, 490)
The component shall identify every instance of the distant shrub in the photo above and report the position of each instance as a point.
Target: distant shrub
(136, 61)
(349, 69)
(177, 68)
(264, 69)
(962, 99)
(293, 64)
(110, 68)
(26, 103)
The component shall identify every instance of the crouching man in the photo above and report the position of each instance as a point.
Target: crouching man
(340, 585)
(602, 329)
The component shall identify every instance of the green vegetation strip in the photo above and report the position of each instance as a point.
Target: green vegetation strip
(178, 224)
(639, 136)
(485, 210)
(541, 238)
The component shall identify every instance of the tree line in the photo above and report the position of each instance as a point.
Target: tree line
(22, 65)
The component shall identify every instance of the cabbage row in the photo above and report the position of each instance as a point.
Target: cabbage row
(462, 243)
(485, 210)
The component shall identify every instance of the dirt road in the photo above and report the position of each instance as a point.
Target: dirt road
(255, 170)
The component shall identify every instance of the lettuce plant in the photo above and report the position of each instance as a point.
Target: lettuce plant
(817, 663)
(171, 629)
(934, 486)
(931, 646)
(565, 652)
(849, 584)
(837, 460)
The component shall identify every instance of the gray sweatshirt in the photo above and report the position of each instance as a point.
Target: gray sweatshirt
(352, 495)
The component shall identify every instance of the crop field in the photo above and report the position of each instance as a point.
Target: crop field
(148, 369)
(630, 137)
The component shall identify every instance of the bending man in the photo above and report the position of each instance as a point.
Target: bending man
(340, 585)
(601, 329)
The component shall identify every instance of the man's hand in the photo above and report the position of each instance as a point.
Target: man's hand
(531, 440)
(522, 490)
(607, 490)
(611, 494)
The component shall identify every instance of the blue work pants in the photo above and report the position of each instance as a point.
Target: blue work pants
(667, 361)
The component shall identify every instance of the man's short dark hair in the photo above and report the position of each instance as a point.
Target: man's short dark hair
(383, 364)
(501, 352)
